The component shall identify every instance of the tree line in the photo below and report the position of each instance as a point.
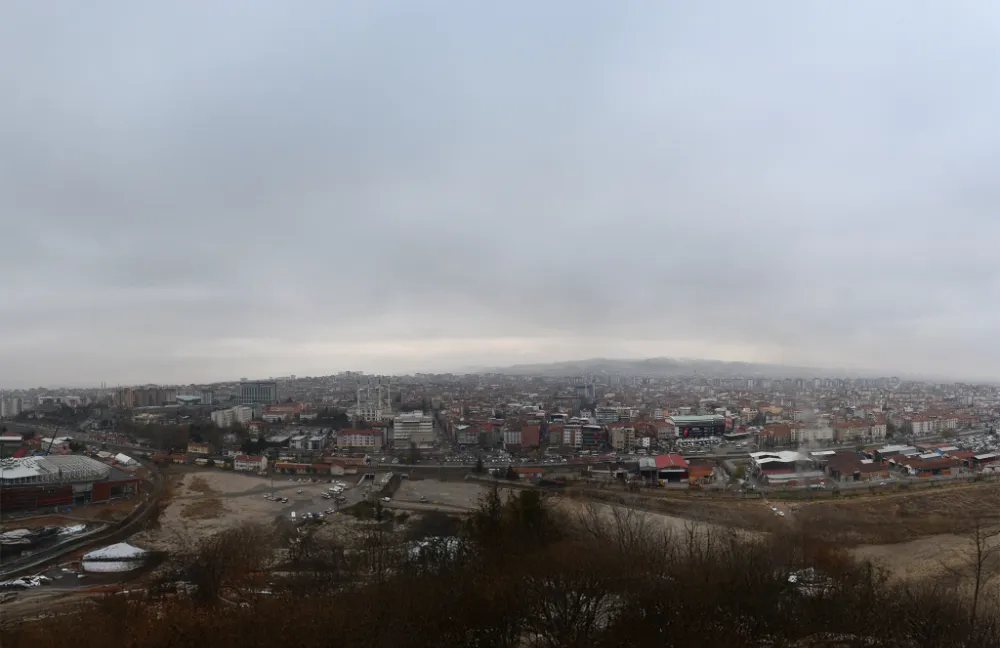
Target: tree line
(519, 571)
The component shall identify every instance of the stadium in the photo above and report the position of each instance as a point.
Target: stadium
(30, 483)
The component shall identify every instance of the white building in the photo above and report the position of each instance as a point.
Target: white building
(572, 436)
(240, 414)
(367, 439)
(244, 463)
(413, 428)
(11, 407)
(811, 434)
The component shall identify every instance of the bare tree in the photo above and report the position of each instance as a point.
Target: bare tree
(234, 558)
(980, 561)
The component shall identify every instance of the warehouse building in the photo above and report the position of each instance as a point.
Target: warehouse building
(30, 483)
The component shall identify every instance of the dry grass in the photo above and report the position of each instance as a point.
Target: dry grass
(749, 514)
(901, 517)
(865, 519)
(203, 509)
(198, 484)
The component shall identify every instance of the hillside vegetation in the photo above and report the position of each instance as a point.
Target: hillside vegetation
(519, 574)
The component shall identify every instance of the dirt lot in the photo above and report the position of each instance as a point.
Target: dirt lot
(457, 494)
(202, 502)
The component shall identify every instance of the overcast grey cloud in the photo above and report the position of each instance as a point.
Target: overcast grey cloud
(195, 191)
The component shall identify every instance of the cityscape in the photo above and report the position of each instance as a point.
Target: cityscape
(499, 325)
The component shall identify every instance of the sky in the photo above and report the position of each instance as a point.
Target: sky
(196, 191)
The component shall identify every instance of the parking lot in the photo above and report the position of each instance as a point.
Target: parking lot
(455, 494)
(311, 500)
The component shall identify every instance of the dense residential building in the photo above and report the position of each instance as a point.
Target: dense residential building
(240, 414)
(362, 439)
(131, 397)
(307, 442)
(530, 436)
(467, 435)
(622, 436)
(572, 435)
(810, 434)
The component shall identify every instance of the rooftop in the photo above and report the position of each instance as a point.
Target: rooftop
(848, 462)
(62, 468)
(693, 419)
(783, 456)
(896, 449)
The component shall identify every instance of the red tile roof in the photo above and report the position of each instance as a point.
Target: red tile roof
(670, 461)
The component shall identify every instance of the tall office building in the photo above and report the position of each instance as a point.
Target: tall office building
(414, 428)
(258, 392)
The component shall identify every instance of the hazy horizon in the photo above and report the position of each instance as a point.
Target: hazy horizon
(786, 370)
(196, 191)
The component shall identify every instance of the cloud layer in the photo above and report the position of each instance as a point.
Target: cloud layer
(197, 191)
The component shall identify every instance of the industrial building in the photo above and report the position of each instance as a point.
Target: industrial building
(664, 467)
(785, 468)
(30, 483)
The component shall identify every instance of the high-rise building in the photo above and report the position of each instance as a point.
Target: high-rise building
(413, 428)
(258, 392)
(12, 406)
(240, 414)
(129, 397)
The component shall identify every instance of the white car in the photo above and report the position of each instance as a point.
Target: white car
(386, 499)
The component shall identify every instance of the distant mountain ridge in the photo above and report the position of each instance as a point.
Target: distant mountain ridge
(675, 367)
